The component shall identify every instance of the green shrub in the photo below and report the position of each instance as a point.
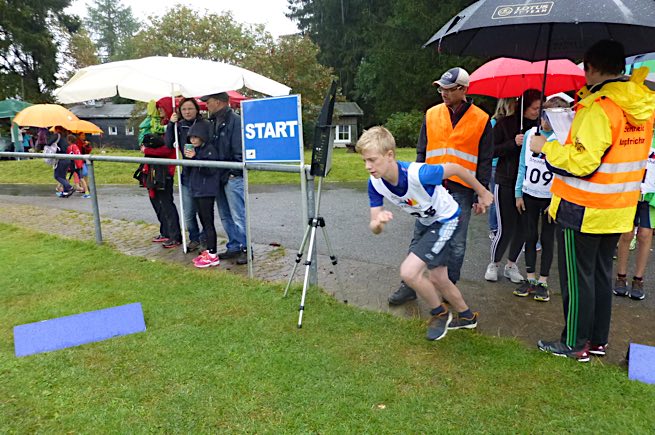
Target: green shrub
(405, 127)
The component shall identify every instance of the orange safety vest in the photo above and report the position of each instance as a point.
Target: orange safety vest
(454, 145)
(617, 181)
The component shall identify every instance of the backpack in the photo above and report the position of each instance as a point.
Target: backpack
(51, 149)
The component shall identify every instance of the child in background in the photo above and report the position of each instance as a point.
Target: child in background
(645, 222)
(416, 188)
(532, 192)
(76, 165)
(85, 149)
(204, 184)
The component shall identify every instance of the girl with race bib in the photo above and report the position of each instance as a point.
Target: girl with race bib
(532, 192)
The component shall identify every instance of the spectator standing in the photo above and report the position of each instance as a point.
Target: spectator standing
(61, 167)
(226, 137)
(645, 222)
(455, 131)
(203, 184)
(186, 116)
(532, 193)
(598, 174)
(504, 107)
(508, 142)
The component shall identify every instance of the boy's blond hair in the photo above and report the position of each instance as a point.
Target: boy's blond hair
(376, 138)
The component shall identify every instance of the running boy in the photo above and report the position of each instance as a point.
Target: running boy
(416, 188)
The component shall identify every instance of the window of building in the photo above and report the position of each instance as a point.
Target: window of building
(112, 130)
(343, 134)
(129, 131)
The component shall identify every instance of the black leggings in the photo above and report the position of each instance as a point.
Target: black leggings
(534, 209)
(205, 206)
(509, 229)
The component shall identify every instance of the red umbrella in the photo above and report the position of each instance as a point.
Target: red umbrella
(505, 77)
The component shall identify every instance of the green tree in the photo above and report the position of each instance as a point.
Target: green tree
(292, 60)
(28, 49)
(82, 50)
(112, 24)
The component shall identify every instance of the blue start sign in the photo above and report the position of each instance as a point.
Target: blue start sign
(272, 129)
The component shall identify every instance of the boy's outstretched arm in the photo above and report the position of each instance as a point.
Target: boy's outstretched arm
(485, 198)
(379, 217)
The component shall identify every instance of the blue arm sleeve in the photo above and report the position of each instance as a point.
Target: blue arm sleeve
(431, 175)
(374, 197)
(518, 188)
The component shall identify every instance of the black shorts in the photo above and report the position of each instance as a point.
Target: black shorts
(432, 243)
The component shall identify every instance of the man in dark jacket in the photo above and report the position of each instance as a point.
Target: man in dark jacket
(226, 137)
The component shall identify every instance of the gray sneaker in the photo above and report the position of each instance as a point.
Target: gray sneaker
(637, 290)
(438, 326)
(192, 246)
(512, 273)
(460, 322)
(492, 272)
(620, 287)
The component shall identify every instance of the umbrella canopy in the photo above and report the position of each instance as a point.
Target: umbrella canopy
(44, 115)
(10, 107)
(82, 126)
(536, 30)
(505, 77)
(155, 77)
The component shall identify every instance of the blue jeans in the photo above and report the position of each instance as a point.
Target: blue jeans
(60, 172)
(232, 210)
(493, 219)
(190, 212)
(458, 239)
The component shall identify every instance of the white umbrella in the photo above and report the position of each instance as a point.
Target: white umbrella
(151, 78)
(155, 77)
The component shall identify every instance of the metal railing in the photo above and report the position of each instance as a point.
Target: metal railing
(308, 204)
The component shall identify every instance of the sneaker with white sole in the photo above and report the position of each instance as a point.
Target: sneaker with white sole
(206, 260)
(512, 273)
(492, 272)
(438, 326)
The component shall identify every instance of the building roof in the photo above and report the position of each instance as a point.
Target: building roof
(105, 110)
(348, 109)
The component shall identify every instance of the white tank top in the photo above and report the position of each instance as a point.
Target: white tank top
(537, 176)
(439, 207)
(648, 186)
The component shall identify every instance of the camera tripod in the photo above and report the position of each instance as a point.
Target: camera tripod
(310, 234)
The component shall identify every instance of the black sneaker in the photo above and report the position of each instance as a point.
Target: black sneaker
(170, 244)
(67, 193)
(637, 290)
(541, 293)
(404, 294)
(620, 287)
(526, 289)
(438, 326)
(192, 246)
(242, 258)
(226, 255)
(558, 348)
(460, 322)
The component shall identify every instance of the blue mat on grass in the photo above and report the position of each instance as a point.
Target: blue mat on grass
(641, 366)
(63, 332)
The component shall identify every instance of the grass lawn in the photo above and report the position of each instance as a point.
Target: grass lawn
(345, 167)
(222, 354)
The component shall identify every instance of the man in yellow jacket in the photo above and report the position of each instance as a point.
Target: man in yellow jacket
(598, 174)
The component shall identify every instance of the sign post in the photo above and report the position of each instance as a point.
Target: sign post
(272, 133)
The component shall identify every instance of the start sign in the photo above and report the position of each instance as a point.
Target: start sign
(272, 129)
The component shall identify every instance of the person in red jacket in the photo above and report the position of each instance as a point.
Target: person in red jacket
(160, 186)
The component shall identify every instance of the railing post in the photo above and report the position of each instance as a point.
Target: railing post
(94, 201)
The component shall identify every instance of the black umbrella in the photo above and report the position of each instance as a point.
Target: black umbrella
(537, 30)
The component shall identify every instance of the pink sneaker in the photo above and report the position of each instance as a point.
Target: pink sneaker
(206, 260)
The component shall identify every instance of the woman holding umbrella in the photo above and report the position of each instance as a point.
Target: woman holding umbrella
(508, 141)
